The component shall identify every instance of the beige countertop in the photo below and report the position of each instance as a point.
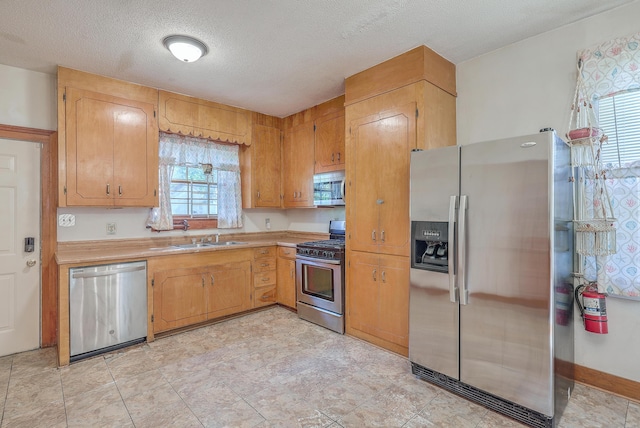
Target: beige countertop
(82, 252)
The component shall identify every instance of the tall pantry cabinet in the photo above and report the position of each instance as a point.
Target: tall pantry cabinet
(405, 103)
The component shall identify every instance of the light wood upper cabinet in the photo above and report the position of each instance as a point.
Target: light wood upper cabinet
(298, 161)
(108, 145)
(200, 118)
(329, 143)
(379, 181)
(266, 167)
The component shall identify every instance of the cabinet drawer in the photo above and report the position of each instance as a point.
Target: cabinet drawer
(287, 252)
(259, 253)
(264, 278)
(264, 296)
(262, 265)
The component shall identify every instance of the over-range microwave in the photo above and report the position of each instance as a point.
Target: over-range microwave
(328, 188)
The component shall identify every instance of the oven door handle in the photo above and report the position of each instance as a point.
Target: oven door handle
(317, 260)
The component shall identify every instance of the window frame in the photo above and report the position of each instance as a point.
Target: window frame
(210, 222)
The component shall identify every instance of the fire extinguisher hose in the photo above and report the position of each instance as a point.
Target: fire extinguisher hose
(577, 292)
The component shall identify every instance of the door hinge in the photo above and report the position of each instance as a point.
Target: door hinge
(152, 318)
(153, 282)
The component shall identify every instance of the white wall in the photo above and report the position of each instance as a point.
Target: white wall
(529, 85)
(27, 98)
(91, 223)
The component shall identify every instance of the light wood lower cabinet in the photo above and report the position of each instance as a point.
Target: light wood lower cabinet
(189, 289)
(378, 299)
(264, 278)
(286, 267)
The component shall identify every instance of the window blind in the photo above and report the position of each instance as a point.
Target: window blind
(619, 117)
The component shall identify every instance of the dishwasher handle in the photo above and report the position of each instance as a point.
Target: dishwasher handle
(83, 274)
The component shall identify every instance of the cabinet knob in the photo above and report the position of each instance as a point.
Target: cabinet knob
(373, 235)
(119, 190)
(332, 157)
(258, 194)
(384, 276)
(382, 236)
(373, 274)
(108, 189)
(338, 156)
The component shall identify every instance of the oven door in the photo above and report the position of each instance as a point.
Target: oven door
(320, 283)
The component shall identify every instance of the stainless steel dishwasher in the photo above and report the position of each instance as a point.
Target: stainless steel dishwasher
(107, 307)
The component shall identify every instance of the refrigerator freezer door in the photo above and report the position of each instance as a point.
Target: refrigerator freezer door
(433, 317)
(433, 178)
(505, 329)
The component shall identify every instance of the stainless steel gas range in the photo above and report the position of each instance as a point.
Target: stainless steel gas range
(320, 279)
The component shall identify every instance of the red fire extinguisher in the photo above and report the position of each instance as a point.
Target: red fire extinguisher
(593, 308)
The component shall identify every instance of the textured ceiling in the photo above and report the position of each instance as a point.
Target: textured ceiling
(272, 56)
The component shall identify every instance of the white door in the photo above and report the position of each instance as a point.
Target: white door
(19, 270)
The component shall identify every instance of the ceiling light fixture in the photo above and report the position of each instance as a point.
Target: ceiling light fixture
(185, 48)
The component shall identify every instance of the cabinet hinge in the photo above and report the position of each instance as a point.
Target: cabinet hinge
(64, 97)
(155, 192)
(65, 190)
(314, 127)
(153, 282)
(152, 318)
(416, 112)
(154, 113)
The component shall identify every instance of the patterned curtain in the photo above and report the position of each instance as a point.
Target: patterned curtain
(181, 150)
(619, 274)
(608, 69)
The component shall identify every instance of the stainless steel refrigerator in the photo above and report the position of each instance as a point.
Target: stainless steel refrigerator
(491, 264)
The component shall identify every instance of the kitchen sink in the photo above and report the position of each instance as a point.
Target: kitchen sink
(207, 244)
(226, 243)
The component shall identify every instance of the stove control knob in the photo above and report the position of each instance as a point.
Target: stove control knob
(331, 254)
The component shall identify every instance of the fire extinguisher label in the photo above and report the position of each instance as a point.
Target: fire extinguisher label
(594, 306)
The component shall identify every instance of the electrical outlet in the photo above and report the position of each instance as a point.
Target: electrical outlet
(267, 223)
(111, 228)
(66, 220)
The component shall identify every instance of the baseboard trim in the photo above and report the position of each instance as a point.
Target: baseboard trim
(607, 382)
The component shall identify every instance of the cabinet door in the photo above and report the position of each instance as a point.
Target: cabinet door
(89, 118)
(298, 160)
(329, 143)
(111, 150)
(179, 298)
(362, 191)
(396, 139)
(135, 155)
(286, 282)
(362, 292)
(266, 166)
(229, 290)
(393, 315)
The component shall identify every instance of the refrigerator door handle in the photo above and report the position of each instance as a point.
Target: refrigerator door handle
(462, 250)
(452, 249)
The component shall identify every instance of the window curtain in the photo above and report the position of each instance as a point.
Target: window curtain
(608, 69)
(183, 150)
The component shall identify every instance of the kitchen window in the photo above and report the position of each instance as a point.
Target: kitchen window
(199, 184)
(611, 73)
(194, 191)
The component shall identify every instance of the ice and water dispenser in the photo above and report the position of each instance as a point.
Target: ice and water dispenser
(430, 246)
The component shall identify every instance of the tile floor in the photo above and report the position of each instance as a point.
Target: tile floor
(266, 369)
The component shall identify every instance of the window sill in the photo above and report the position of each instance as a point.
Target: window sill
(195, 223)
